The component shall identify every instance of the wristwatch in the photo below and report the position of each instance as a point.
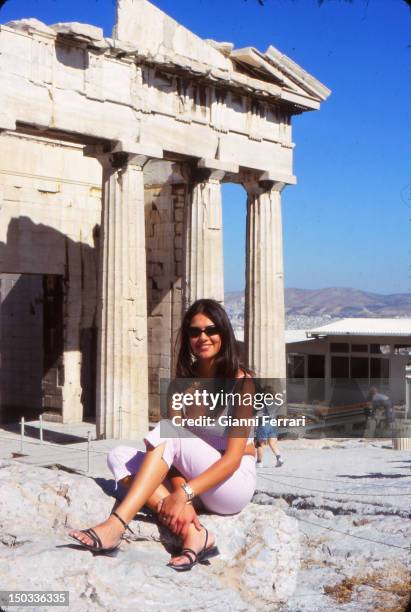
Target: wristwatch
(188, 491)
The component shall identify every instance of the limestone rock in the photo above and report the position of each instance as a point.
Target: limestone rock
(257, 566)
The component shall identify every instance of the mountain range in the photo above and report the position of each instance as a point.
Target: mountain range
(328, 304)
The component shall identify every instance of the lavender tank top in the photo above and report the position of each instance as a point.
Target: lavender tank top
(217, 435)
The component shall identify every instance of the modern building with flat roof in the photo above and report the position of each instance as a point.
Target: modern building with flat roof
(339, 362)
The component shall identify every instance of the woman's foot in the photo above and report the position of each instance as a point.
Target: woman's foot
(110, 533)
(195, 540)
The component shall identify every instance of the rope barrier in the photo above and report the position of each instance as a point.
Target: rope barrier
(336, 493)
(364, 484)
(352, 535)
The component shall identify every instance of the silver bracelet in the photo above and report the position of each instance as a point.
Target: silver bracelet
(188, 491)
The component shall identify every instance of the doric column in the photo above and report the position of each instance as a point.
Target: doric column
(122, 372)
(408, 391)
(203, 238)
(264, 307)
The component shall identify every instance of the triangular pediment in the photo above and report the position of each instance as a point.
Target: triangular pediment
(155, 35)
(275, 67)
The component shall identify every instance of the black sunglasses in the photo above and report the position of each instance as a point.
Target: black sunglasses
(210, 330)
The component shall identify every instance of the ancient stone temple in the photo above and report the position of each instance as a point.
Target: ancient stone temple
(112, 156)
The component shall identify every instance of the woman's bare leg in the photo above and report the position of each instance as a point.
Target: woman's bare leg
(260, 451)
(195, 539)
(272, 443)
(143, 489)
(160, 493)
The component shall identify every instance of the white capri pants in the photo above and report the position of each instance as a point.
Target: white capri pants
(191, 456)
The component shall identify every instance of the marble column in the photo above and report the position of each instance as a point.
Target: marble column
(122, 370)
(203, 275)
(408, 391)
(264, 308)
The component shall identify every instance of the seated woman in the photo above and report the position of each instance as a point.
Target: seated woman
(217, 469)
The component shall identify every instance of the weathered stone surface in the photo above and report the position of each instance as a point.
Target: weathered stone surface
(82, 31)
(122, 306)
(141, 22)
(265, 282)
(203, 248)
(257, 567)
(224, 47)
(30, 25)
(57, 193)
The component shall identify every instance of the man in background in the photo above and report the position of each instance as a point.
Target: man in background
(379, 410)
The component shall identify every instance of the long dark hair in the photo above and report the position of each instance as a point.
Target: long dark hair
(228, 359)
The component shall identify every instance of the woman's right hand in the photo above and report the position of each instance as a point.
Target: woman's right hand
(188, 516)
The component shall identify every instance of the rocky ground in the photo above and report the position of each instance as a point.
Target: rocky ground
(257, 567)
(352, 502)
(330, 530)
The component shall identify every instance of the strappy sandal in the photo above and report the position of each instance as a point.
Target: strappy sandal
(201, 557)
(97, 546)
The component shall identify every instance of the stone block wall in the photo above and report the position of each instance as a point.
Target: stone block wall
(50, 212)
(164, 242)
(21, 344)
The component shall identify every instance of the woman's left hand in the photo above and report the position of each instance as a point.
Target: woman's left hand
(170, 508)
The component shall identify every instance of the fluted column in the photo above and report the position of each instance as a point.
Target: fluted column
(264, 308)
(122, 371)
(203, 239)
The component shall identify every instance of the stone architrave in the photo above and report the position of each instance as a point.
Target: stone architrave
(203, 239)
(122, 368)
(264, 308)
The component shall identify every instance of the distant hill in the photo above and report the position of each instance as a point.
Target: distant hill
(347, 302)
(309, 305)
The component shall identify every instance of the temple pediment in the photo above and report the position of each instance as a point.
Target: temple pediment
(161, 38)
(275, 67)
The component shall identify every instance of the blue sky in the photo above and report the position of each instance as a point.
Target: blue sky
(348, 221)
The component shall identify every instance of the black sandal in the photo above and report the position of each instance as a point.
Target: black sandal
(97, 546)
(202, 557)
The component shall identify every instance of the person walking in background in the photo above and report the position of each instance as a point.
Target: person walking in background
(266, 435)
(379, 409)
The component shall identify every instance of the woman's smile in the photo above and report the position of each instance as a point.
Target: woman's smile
(204, 346)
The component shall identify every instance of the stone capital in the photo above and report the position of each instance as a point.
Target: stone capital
(256, 186)
(278, 177)
(256, 183)
(119, 156)
(205, 175)
(193, 174)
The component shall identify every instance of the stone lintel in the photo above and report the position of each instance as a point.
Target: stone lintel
(98, 150)
(218, 164)
(278, 177)
(137, 149)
